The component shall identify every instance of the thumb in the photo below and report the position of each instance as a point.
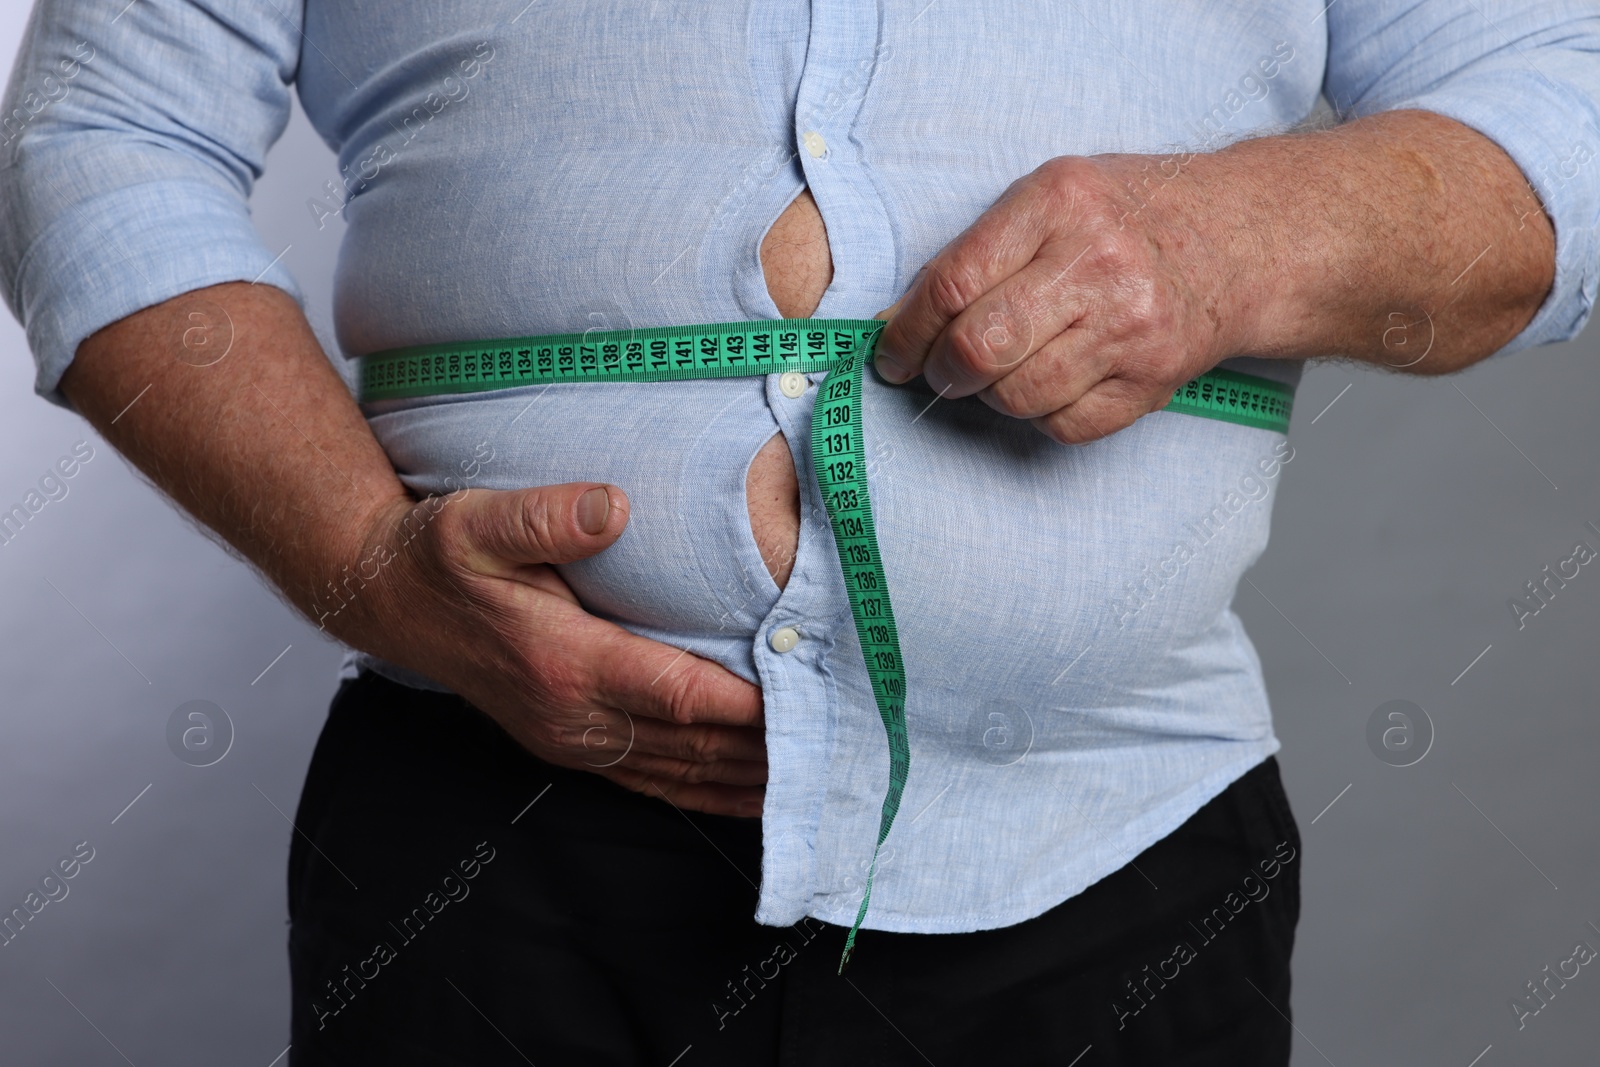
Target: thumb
(545, 524)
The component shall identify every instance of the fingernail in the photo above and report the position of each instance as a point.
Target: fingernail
(594, 507)
(889, 370)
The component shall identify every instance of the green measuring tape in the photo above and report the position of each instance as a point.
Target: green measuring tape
(841, 347)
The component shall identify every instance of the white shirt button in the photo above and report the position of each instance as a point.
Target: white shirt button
(792, 383)
(816, 145)
(784, 638)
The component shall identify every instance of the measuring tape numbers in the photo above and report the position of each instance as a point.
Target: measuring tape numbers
(841, 347)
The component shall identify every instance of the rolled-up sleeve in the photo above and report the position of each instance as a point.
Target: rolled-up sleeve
(1527, 76)
(130, 139)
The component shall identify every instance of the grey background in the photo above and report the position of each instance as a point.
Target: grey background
(1413, 509)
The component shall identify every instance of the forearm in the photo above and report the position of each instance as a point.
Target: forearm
(1404, 239)
(264, 446)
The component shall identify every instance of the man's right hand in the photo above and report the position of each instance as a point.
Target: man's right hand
(469, 597)
(261, 442)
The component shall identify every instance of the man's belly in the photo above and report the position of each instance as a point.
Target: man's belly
(1062, 576)
(798, 267)
(1069, 576)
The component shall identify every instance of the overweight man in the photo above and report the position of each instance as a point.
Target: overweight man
(603, 777)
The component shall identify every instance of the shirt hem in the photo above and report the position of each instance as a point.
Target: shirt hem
(1166, 818)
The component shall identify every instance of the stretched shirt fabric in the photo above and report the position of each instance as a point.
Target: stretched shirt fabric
(1079, 684)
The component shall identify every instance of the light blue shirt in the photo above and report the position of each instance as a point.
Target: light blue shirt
(1078, 684)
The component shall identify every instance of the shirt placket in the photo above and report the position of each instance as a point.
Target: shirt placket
(844, 54)
(792, 647)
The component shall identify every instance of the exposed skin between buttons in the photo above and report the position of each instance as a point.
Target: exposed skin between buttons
(798, 266)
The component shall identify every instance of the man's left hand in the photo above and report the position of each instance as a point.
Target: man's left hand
(1075, 302)
(1097, 285)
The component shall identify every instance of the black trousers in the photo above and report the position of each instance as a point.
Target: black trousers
(436, 918)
